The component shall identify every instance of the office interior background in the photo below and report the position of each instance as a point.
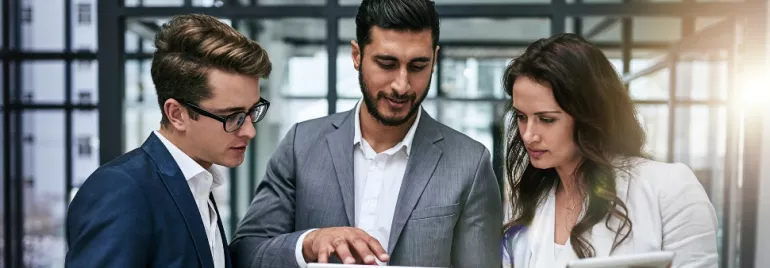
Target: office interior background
(76, 93)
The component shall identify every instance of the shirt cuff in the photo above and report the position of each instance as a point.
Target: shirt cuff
(298, 250)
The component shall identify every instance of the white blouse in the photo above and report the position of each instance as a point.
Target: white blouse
(667, 205)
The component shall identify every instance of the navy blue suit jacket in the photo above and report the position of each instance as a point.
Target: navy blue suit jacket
(138, 211)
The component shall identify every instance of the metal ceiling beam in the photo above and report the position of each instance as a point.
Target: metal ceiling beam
(600, 27)
(663, 46)
(458, 11)
(709, 36)
(144, 29)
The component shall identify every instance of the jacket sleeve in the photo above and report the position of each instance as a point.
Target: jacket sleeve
(689, 221)
(108, 223)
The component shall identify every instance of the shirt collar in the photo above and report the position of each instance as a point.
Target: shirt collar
(189, 167)
(406, 142)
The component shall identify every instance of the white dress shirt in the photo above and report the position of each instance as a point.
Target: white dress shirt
(377, 181)
(201, 182)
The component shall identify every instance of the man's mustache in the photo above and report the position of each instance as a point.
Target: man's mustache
(395, 96)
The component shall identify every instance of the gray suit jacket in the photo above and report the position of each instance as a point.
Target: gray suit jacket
(448, 213)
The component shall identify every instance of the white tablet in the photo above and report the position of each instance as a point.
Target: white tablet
(332, 265)
(642, 260)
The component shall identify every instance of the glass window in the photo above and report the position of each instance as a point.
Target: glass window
(641, 58)
(705, 1)
(208, 3)
(131, 41)
(293, 2)
(654, 120)
(2, 20)
(498, 30)
(139, 122)
(601, 29)
(155, 3)
(702, 79)
(473, 77)
(141, 111)
(84, 82)
(44, 188)
(140, 33)
(660, 29)
(346, 104)
(299, 59)
(347, 76)
(42, 81)
(651, 87)
(474, 119)
(700, 142)
(704, 22)
(42, 25)
(83, 21)
(242, 185)
(85, 145)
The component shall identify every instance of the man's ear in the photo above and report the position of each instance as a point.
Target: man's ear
(176, 114)
(435, 58)
(356, 54)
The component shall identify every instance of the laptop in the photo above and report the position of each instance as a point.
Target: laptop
(642, 260)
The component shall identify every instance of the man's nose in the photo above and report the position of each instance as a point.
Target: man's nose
(248, 129)
(401, 82)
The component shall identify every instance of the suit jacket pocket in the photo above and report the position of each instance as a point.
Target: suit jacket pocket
(433, 212)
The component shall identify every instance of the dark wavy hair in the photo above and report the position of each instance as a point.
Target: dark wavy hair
(606, 132)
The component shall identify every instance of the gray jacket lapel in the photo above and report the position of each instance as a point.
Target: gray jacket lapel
(423, 158)
(341, 147)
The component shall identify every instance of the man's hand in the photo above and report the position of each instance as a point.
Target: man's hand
(351, 245)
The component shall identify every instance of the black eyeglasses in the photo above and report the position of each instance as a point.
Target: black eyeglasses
(234, 121)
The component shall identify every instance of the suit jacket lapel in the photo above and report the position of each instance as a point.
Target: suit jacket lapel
(176, 185)
(341, 147)
(423, 158)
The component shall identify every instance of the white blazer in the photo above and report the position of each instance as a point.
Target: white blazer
(669, 211)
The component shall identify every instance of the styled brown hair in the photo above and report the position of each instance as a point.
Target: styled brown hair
(607, 133)
(188, 46)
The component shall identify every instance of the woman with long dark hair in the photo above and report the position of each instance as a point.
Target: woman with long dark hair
(579, 183)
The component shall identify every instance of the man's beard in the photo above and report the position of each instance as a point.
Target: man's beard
(371, 103)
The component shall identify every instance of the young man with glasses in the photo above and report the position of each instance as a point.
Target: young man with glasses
(153, 206)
